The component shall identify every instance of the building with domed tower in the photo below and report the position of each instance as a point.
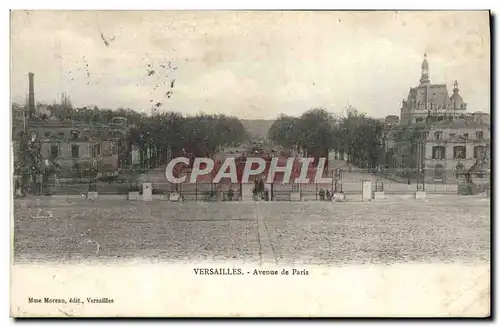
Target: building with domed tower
(433, 100)
(436, 138)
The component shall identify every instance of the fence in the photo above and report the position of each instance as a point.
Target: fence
(347, 181)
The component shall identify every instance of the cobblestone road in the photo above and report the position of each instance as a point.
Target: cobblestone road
(275, 233)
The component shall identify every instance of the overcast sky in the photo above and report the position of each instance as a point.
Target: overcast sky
(248, 64)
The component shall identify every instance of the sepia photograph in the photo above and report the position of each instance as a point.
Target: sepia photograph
(181, 163)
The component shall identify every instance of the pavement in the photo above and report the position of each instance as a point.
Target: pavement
(324, 233)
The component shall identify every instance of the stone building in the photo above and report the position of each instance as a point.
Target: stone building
(437, 138)
(433, 100)
(454, 146)
(73, 147)
(439, 150)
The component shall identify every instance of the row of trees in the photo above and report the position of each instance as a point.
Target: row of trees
(199, 135)
(317, 132)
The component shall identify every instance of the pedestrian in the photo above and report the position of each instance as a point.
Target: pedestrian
(230, 194)
(328, 195)
(39, 181)
(322, 194)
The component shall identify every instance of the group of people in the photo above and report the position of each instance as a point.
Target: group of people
(325, 195)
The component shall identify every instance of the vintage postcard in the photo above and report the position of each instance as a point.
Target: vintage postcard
(250, 163)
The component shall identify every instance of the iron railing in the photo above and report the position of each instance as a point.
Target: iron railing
(347, 183)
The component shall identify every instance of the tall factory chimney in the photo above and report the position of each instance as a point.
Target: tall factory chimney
(31, 96)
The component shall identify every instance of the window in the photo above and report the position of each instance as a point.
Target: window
(438, 135)
(74, 135)
(419, 120)
(60, 134)
(459, 152)
(438, 152)
(75, 151)
(47, 134)
(479, 135)
(425, 135)
(54, 151)
(479, 151)
(452, 135)
(466, 136)
(96, 150)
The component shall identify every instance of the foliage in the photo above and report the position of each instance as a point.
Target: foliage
(318, 131)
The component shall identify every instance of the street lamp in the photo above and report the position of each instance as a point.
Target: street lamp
(338, 181)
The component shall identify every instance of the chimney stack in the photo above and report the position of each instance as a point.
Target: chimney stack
(31, 96)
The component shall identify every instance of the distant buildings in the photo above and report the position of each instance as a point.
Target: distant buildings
(72, 147)
(67, 148)
(391, 120)
(436, 136)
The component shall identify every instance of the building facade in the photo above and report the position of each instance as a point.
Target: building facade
(437, 138)
(72, 147)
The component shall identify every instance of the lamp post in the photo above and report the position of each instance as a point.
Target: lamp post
(334, 180)
(338, 181)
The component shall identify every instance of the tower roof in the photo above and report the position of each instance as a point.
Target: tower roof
(424, 76)
(425, 64)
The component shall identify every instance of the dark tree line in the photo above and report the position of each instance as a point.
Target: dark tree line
(199, 135)
(317, 132)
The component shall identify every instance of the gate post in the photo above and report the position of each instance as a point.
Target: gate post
(378, 189)
(367, 190)
(420, 194)
(147, 191)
